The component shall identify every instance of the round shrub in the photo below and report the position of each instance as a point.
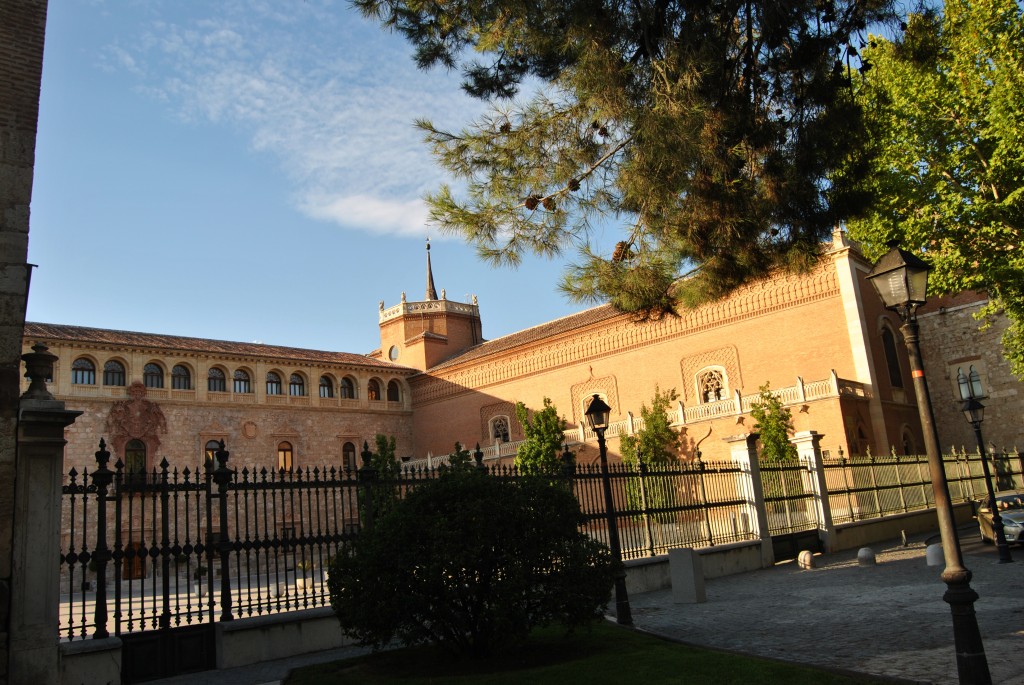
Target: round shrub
(472, 562)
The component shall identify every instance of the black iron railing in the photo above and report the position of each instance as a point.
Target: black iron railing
(169, 547)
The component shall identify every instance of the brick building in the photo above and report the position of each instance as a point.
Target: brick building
(822, 341)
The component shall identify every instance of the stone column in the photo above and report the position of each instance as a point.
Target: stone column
(743, 450)
(35, 592)
(808, 447)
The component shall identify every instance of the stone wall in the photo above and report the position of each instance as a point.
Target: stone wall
(22, 29)
(951, 339)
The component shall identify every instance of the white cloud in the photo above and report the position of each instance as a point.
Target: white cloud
(328, 95)
(362, 211)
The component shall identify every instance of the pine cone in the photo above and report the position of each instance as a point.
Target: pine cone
(549, 204)
(621, 251)
(574, 185)
(531, 202)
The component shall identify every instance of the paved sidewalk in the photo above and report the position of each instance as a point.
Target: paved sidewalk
(888, 619)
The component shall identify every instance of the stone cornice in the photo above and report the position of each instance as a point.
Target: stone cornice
(429, 307)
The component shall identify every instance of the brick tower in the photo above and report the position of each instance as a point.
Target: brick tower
(425, 333)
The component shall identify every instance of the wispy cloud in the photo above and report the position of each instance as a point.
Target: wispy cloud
(329, 95)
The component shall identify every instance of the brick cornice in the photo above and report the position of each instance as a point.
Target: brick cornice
(621, 334)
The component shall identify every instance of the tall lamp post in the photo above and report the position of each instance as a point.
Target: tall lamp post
(974, 412)
(597, 416)
(901, 280)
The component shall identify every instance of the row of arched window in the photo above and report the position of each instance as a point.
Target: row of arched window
(83, 372)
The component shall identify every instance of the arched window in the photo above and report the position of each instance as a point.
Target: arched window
(113, 373)
(347, 388)
(284, 456)
(181, 378)
(273, 383)
(153, 376)
(348, 456)
(499, 429)
(216, 381)
(892, 361)
(373, 389)
(712, 385)
(210, 452)
(135, 457)
(296, 385)
(394, 392)
(83, 372)
(326, 387)
(242, 382)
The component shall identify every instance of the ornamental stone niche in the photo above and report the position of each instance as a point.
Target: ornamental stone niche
(135, 419)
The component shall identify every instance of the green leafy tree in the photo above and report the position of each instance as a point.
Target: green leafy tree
(775, 422)
(477, 563)
(385, 489)
(706, 130)
(657, 441)
(384, 459)
(460, 459)
(657, 445)
(540, 451)
(945, 109)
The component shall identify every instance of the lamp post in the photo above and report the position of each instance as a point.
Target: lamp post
(597, 416)
(974, 412)
(901, 280)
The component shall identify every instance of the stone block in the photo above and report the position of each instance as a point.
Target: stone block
(934, 556)
(865, 556)
(805, 560)
(687, 573)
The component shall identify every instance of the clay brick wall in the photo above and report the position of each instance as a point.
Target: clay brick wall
(773, 331)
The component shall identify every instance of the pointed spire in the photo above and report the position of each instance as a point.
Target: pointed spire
(431, 293)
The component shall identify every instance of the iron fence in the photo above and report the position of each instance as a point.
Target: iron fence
(172, 548)
(870, 487)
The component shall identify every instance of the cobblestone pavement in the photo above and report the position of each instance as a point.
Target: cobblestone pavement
(888, 619)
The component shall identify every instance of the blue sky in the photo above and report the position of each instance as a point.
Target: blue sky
(247, 170)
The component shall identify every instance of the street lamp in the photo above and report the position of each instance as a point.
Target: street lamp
(974, 412)
(901, 280)
(597, 417)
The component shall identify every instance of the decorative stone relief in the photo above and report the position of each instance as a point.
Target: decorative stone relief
(725, 357)
(606, 385)
(135, 419)
(489, 411)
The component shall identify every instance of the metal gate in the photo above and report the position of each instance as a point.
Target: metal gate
(791, 510)
(158, 558)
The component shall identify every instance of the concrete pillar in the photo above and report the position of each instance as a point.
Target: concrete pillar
(808, 447)
(35, 588)
(743, 450)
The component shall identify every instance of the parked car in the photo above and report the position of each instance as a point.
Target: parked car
(1011, 510)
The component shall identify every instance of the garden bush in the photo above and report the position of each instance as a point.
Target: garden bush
(471, 562)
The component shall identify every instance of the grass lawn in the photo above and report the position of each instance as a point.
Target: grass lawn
(606, 654)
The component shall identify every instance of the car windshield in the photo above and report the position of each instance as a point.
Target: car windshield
(1010, 502)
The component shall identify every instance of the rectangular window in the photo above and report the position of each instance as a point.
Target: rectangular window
(83, 377)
